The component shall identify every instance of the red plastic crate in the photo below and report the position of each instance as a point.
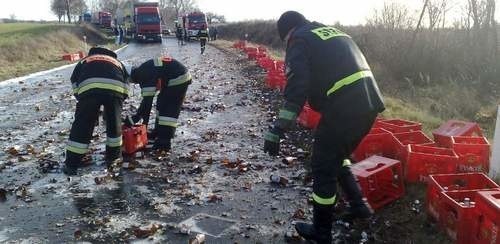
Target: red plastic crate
(488, 221)
(135, 138)
(458, 219)
(454, 182)
(398, 125)
(265, 62)
(403, 140)
(473, 153)
(262, 49)
(443, 134)
(377, 142)
(239, 44)
(249, 49)
(380, 179)
(276, 80)
(308, 117)
(424, 161)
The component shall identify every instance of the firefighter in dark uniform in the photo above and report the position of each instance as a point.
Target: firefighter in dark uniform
(170, 79)
(325, 67)
(203, 36)
(98, 80)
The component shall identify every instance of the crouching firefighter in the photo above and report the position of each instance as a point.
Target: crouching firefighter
(169, 79)
(325, 67)
(98, 80)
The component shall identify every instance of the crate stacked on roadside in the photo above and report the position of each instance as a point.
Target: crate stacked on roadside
(460, 197)
(276, 79)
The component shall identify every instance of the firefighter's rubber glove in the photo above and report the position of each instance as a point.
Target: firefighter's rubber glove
(272, 141)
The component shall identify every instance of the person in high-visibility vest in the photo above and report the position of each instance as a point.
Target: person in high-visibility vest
(98, 80)
(325, 67)
(169, 79)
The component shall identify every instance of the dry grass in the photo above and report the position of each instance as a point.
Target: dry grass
(29, 47)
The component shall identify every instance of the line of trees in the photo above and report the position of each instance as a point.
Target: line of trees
(71, 9)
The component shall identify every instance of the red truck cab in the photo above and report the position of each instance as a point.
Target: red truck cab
(194, 22)
(147, 22)
(105, 19)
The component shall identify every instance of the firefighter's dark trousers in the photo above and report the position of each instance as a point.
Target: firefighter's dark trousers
(203, 43)
(168, 104)
(87, 112)
(337, 136)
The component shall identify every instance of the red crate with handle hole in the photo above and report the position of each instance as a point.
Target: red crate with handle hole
(135, 138)
(380, 179)
(403, 140)
(308, 117)
(473, 153)
(488, 221)
(377, 142)
(454, 182)
(443, 134)
(425, 160)
(398, 125)
(457, 211)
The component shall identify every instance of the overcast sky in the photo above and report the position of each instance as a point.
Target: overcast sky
(326, 11)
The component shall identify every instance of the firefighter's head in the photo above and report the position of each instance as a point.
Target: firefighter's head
(288, 21)
(102, 51)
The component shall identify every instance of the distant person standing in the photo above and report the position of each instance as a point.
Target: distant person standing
(117, 35)
(179, 33)
(120, 29)
(213, 33)
(203, 36)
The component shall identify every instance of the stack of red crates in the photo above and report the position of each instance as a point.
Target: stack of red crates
(381, 180)
(426, 160)
(447, 204)
(443, 135)
(378, 142)
(473, 153)
(487, 220)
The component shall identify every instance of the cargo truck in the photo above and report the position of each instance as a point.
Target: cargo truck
(147, 20)
(193, 23)
(104, 19)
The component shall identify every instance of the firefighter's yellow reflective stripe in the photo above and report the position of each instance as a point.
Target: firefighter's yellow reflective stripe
(167, 121)
(76, 147)
(102, 86)
(180, 79)
(287, 114)
(346, 162)
(103, 83)
(114, 141)
(148, 91)
(323, 201)
(271, 137)
(158, 62)
(328, 32)
(349, 80)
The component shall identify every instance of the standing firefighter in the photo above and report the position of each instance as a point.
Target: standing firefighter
(171, 79)
(325, 67)
(203, 35)
(98, 80)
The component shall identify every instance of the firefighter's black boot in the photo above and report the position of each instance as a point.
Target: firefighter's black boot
(69, 170)
(321, 229)
(358, 208)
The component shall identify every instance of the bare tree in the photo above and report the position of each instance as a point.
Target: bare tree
(392, 16)
(58, 7)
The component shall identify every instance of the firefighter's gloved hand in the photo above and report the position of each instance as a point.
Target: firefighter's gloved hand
(128, 121)
(272, 141)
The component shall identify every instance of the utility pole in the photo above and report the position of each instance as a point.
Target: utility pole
(495, 158)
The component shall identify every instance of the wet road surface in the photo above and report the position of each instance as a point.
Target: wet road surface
(215, 181)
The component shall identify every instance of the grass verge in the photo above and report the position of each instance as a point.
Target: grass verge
(31, 47)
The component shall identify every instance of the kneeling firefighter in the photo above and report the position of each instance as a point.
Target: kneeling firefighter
(98, 80)
(171, 79)
(325, 67)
